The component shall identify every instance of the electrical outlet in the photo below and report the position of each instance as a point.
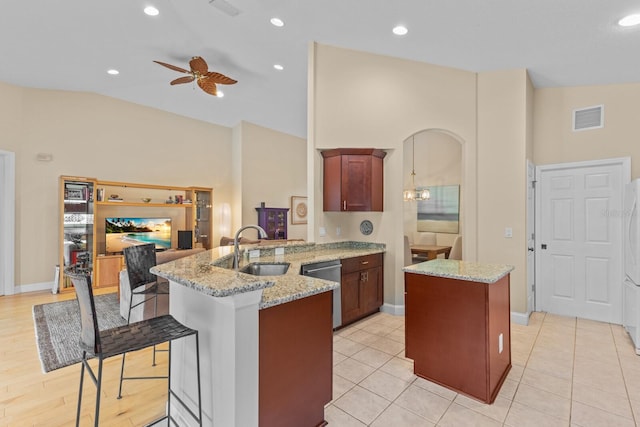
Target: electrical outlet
(500, 343)
(279, 251)
(508, 232)
(254, 254)
(322, 231)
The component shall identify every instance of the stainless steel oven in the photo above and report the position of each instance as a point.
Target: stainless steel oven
(328, 270)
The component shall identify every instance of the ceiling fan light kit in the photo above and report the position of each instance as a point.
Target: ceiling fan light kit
(207, 80)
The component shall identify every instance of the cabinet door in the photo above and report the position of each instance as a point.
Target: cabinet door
(371, 289)
(350, 294)
(356, 183)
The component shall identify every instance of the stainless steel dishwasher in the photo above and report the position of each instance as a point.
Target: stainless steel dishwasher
(328, 270)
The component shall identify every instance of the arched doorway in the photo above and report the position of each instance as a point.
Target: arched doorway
(437, 157)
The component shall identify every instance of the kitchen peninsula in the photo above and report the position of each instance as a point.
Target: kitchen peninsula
(265, 341)
(458, 326)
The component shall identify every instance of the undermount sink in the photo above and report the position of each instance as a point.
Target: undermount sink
(265, 269)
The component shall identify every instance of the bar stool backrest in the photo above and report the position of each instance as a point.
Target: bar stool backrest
(139, 259)
(89, 331)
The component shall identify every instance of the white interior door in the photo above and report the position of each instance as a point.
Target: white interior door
(579, 253)
(531, 242)
(7, 222)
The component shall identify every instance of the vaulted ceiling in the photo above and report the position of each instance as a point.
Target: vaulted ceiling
(70, 45)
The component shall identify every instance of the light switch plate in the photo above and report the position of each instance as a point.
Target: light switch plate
(279, 251)
(322, 231)
(254, 254)
(508, 232)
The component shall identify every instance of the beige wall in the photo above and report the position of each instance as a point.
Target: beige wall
(358, 99)
(273, 169)
(95, 136)
(555, 142)
(502, 151)
(112, 140)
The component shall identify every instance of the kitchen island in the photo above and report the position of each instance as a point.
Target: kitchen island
(458, 326)
(266, 342)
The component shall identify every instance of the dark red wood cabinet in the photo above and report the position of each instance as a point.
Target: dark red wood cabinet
(353, 179)
(296, 362)
(361, 287)
(458, 333)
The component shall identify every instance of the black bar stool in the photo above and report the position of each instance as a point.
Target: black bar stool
(131, 337)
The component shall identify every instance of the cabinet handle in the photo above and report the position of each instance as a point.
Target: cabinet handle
(344, 205)
(364, 262)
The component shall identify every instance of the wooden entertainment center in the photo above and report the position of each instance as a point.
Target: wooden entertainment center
(86, 202)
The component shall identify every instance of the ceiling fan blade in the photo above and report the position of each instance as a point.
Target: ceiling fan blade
(173, 67)
(220, 78)
(208, 86)
(180, 80)
(198, 65)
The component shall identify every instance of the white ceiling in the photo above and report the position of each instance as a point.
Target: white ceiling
(70, 44)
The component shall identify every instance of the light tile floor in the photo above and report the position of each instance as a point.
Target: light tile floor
(566, 372)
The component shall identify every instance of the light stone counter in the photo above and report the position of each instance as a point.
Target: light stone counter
(224, 307)
(461, 270)
(210, 272)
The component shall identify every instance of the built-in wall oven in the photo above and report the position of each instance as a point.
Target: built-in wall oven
(328, 270)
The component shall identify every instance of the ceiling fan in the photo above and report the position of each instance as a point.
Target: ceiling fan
(206, 79)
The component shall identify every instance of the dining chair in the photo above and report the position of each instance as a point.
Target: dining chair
(122, 339)
(456, 249)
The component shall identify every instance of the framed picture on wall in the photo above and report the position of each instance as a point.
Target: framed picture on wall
(298, 210)
(441, 212)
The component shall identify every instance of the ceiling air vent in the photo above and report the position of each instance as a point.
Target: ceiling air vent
(588, 118)
(225, 7)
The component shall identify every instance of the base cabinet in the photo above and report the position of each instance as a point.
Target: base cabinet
(296, 365)
(108, 270)
(458, 333)
(361, 287)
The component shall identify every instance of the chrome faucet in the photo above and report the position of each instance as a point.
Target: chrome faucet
(236, 251)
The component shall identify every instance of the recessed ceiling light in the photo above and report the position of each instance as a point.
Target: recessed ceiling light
(113, 72)
(220, 94)
(400, 30)
(151, 11)
(277, 22)
(629, 20)
(278, 67)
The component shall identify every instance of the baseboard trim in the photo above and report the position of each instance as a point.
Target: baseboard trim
(34, 287)
(520, 318)
(396, 310)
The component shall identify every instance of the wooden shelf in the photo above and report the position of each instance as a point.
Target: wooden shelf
(84, 215)
(141, 204)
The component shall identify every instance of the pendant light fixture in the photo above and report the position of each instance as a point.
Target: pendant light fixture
(414, 193)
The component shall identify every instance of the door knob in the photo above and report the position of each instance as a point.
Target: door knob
(530, 249)
(543, 246)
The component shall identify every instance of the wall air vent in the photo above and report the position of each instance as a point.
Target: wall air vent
(588, 118)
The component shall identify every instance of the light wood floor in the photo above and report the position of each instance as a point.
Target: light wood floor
(28, 397)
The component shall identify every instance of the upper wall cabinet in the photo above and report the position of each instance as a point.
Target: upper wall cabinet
(353, 179)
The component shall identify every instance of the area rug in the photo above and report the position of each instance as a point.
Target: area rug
(57, 326)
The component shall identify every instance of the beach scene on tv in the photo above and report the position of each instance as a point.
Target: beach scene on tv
(125, 232)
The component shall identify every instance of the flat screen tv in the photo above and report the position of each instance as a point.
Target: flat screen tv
(125, 232)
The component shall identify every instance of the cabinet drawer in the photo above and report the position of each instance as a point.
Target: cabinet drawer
(361, 263)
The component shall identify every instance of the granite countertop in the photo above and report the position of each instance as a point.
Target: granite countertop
(462, 270)
(210, 272)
